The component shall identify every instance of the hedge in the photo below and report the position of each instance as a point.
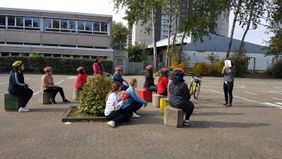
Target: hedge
(60, 65)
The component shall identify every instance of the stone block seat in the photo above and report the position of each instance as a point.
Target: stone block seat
(156, 100)
(45, 98)
(11, 102)
(163, 104)
(173, 117)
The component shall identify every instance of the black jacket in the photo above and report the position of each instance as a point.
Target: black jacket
(16, 82)
(180, 94)
(149, 79)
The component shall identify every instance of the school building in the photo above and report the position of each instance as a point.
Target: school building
(24, 32)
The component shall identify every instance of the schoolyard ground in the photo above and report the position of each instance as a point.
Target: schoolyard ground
(251, 128)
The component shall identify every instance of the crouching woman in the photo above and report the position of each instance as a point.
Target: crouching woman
(114, 101)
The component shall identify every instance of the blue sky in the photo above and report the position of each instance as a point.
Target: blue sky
(258, 36)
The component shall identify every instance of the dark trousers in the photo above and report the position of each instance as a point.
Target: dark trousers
(228, 89)
(54, 91)
(187, 107)
(153, 89)
(24, 96)
(164, 93)
(119, 116)
(133, 107)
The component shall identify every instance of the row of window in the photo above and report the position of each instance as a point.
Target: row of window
(51, 55)
(49, 24)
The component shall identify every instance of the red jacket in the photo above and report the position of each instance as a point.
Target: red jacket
(80, 80)
(162, 85)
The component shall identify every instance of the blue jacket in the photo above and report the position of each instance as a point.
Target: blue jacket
(118, 78)
(16, 82)
(132, 97)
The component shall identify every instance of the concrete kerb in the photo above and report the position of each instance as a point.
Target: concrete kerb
(66, 118)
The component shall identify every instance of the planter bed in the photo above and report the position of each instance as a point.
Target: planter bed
(73, 115)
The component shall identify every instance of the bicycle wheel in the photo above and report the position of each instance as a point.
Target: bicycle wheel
(197, 91)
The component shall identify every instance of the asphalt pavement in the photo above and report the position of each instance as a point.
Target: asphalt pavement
(251, 128)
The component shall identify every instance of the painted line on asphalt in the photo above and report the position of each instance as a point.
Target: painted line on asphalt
(71, 77)
(275, 92)
(273, 105)
(276, 98)
(61, 81)
(249, 100)
(279, 103)
(251, 93)
(36, 93)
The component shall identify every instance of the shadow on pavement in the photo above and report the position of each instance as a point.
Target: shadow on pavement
(48, 110)
(219, 124)
(215, 113)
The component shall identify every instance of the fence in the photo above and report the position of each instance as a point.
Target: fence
(135, 68)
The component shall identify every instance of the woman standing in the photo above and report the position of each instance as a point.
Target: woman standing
(47, 85)
(229, 73)
(98, 68)
(149, 79)
(163, 82)
(18, 87)
(180, 95)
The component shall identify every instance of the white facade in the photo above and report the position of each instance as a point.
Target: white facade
(257, 61)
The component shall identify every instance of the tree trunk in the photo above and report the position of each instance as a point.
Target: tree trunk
(168, 42)
(248, 27)
(154, 39)
(233, 28)
(181, 48)
(173, 48)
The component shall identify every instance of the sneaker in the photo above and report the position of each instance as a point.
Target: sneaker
(53, 101)
(111, 123)
(225, 104)
(136, 115)
(23, 109)
(66, 101)
(186, 123)
(229, 105)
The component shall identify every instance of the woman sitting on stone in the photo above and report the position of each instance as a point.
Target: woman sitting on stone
(180, 95)
(48, 86)
(149, 79)
(117, 77)
(18, 87)
(163, 82)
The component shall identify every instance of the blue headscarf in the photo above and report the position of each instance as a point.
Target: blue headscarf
(178, 78)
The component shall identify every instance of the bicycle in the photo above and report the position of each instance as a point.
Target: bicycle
(195, 86)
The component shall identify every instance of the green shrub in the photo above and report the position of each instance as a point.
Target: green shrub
(202, 68)
(36, 64)
(217, 68)
(92, 98)
(240, 61)
(276, 69)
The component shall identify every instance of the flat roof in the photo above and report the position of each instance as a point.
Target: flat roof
(57, 12)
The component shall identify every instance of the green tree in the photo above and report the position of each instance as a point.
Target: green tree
(199, 17)
(137, 53)
(142, 11)
(235, 6)
(275, 26)
(120, 33)
(250, 17)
